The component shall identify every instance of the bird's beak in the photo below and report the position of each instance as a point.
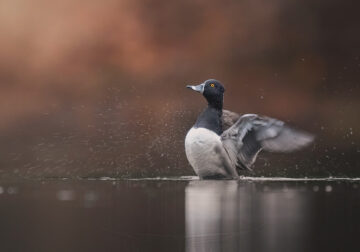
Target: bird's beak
(198, 88)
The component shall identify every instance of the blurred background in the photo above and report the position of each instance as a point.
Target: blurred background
(97, 88)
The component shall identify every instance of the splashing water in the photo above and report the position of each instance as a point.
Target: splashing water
(246, 178)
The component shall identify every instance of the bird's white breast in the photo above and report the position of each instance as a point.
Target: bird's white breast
(201, 147)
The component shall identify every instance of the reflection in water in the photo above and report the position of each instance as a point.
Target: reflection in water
(177, 216)
(210, 209)
(232, 216)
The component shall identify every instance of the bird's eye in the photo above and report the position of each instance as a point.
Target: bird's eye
(212, 85)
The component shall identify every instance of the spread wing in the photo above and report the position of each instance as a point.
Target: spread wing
(251, 133)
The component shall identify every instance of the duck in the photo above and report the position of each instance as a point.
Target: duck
(223, 144)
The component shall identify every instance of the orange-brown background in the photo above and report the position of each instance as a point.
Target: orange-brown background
(97, 88)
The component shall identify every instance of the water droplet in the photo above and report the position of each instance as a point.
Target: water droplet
(65, 195)
(12, 190)
(90, 196)
(328, 188)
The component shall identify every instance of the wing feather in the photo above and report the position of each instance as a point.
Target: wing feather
(229, 118)
(252, 133)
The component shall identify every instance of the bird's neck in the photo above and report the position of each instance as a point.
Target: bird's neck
(216, 103)
(210, 119)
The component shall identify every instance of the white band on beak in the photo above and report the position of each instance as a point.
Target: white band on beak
(198, 88)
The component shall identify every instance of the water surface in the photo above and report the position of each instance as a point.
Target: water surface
(180, 214)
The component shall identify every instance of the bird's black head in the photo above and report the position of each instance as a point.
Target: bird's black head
(212, 90)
